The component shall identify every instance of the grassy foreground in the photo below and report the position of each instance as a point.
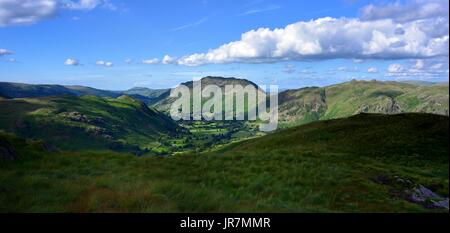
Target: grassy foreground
(327, 166)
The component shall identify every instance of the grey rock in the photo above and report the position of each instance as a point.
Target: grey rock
(424, 196)
(441, 204)
(75, 116)
(413, 192)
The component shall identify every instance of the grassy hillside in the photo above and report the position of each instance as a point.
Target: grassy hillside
(343, 165)
(342, 100)
(88, 122)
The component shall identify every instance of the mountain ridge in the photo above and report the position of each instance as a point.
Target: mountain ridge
(297, 106)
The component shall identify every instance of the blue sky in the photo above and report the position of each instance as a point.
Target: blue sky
(117, 44)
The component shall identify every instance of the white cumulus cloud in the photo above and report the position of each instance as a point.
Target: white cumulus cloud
(406, 11)
(20, 12)
(421, 69)
(4, 52)
(24, 12)
(71, 62)
(437, 66)
(419, 64)
(82, 4)
(381, 37)
(151, 61)
(395, 68)
(104, 63)
(168, 59)
(372, 70)
(88, 4)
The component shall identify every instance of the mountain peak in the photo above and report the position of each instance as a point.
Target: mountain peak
(222, 81)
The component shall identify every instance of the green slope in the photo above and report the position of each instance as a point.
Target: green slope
(342, 100)
(88, 122)
(339, 165)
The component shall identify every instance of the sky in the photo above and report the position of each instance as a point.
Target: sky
(118, 44)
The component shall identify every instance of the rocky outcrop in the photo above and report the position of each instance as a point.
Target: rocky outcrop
(413, 192)
(101, 132)
(79, 117)
(422, 195)
(95, 123)
(74, 116)
(386, 105)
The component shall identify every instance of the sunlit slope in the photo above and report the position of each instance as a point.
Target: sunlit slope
(342, 100)
(88, 122)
